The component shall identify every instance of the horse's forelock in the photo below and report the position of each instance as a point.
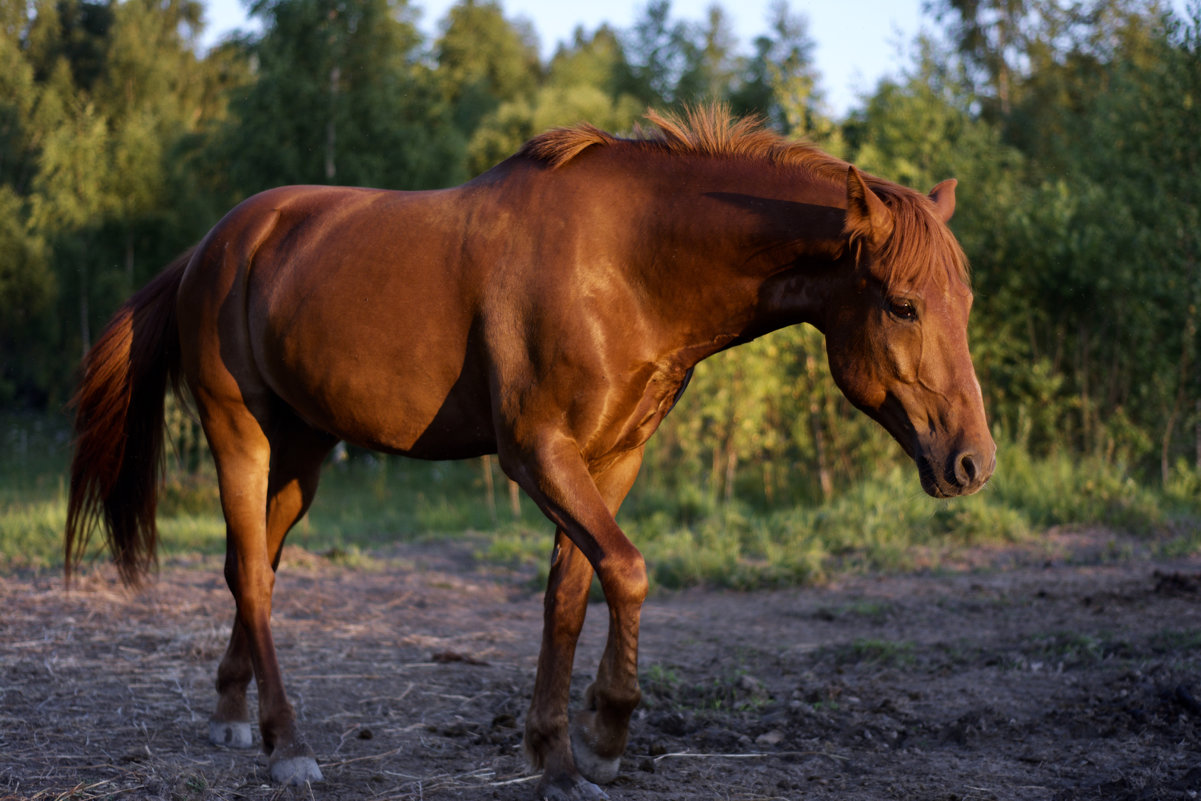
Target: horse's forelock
(920, 242)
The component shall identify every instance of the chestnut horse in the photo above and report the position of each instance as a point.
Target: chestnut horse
(550, 311)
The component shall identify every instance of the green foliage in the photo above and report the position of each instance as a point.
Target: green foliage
(339, 96)
(882, 523)
(33, 507)
(484, 61)
(1065, 488)
(1086, 258)
(1072, 128)
(27, 289)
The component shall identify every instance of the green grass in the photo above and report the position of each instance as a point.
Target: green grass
(364, 502)
(884, 524)
(33, 460)
(876, 652)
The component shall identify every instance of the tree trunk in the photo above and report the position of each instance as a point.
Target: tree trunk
(731, 470)
(824, 479)
(1197, 435)
(331, 132)
(1165, 447)
(515, 499)
(85, 334)
(489, 486)
(129, 262)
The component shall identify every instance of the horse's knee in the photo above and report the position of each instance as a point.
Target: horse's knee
(624, 580)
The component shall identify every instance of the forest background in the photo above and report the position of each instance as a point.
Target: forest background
(1074, 129)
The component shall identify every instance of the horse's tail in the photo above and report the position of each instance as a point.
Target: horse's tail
(119, 420)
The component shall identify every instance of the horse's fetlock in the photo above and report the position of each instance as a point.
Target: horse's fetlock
(612, 703)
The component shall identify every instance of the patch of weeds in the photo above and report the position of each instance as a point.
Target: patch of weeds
(351, 556)
(1063, 488)
(872, 611)
(1185, 540)
(739, 692)
(876, 652)
(821, 698)
(1168, 641)
(189, 787)
(963, 653)
(1066, 650)
(189, 494)
(659, 682)
(971, 521)
(733, 692)
(520, 546)
(31, 533)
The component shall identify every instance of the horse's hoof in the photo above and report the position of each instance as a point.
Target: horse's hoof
(565, 789)
(296, 771)
(591, 765)
(231, 735)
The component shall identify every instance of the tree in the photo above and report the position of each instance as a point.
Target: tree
(710, 65)
(1084, 264)
(658, 53)
(581, 85)
(484, 61)
(27, 289)
(340, 96)
(96, 98)
(991, 36)
(780, 80)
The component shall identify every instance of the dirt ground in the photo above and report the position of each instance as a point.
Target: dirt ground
(1055, 673)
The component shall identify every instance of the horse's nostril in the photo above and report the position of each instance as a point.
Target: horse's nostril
(965, 469)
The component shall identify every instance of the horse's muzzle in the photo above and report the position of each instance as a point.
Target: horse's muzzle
(963, 472)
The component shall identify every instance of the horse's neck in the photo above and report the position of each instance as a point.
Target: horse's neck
(737, 257)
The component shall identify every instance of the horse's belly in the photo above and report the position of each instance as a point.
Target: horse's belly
(398, 414)
(370, 344)
(406, 385)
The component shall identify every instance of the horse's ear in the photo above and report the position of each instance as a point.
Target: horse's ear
(867, 216)
(943, 196)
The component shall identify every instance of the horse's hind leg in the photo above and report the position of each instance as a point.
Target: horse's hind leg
(296, 457)
(244, 459)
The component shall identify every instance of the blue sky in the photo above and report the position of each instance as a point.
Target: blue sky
(858, 42)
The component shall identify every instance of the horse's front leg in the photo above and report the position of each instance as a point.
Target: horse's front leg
(591, 747)
(547, 742)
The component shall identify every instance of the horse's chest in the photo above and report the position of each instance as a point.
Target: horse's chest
(657, 399)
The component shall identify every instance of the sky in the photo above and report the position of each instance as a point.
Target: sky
(857, 41)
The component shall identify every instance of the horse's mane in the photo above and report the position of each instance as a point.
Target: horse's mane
(919, 240)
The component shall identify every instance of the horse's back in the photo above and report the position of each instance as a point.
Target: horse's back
(354, 306)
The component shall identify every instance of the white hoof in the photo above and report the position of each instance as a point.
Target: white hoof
(231, 735)
(591, 766)
(581, 790)
(296, 771)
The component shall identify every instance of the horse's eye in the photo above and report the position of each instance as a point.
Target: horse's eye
(902, 309)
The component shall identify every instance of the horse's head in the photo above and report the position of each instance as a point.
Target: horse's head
(896, 335)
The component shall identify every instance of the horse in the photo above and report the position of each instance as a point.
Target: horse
(550, 311)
